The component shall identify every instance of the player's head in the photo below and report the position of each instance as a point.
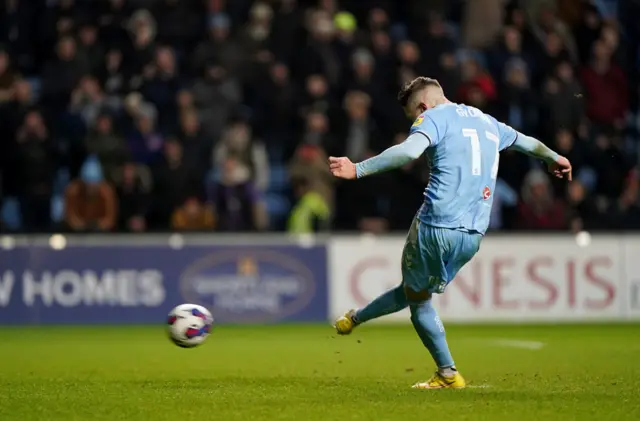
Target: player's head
(420, 95)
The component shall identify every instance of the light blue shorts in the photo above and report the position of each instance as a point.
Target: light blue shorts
(433, 256)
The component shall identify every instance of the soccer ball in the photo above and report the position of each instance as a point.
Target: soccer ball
(189, 325)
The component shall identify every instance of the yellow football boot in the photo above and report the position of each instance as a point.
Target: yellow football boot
(345, 324)
(440, 381)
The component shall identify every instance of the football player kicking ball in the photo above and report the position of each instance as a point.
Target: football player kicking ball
(462, 144)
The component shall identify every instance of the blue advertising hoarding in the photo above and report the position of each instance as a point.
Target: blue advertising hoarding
(140, 284)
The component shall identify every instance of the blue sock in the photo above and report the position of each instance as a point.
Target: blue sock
(390, 302)
(431, 331)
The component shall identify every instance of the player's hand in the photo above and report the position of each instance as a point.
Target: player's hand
(561, 168)
(342, 168)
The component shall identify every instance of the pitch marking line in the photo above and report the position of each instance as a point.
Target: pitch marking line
(532, 345)
(478, 386)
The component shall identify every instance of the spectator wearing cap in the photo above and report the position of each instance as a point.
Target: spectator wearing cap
(90, 202)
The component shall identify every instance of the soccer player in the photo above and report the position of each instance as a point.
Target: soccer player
(463, 145)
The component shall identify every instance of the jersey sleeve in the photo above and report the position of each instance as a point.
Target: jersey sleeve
(507, 134)
(426, 126)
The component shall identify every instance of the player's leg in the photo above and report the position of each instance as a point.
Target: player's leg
(438, 245)
(390, 302)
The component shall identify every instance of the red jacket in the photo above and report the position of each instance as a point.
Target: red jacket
(607, 94)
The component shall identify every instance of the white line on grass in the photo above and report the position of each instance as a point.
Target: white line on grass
(478, 386)
(532, 345)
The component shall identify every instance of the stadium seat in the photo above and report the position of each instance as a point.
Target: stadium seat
(10, 213)
(57, 208)
(62, 178)
(277, 207)
(279, 179)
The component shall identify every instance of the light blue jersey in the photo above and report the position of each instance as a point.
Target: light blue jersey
(463, 145)
(464, 152)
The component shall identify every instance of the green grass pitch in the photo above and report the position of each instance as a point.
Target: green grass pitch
(307, 373)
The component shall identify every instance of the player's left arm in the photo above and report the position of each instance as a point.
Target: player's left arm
(422, 134)
(511, 138)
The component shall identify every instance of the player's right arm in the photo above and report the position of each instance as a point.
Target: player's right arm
(423, 134)
(511, 138)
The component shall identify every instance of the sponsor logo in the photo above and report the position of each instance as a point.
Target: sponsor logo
(486, 193)
(257, 285)
(418, 121)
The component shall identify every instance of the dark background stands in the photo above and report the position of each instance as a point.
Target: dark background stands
(139, 115)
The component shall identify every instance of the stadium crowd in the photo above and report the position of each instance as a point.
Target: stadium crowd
(147, 115)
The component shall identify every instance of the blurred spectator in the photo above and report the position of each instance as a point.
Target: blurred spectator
(585, 215)
(36, 167)
(238, 141)
(276, 102)
(478, 87)
(61, 75)
(109, 147)
(410, 64)
(7, 78)
(611, 166)
(90, 52)
(91, 204)
(192, 216)
(539, 209)
(310, 163)
(360, 133)
(625, 212)
(133, 188)
(317, 132)
(196, 147)
(161, 86)
(311, 213)
(518, 103)
(510, 47)
(482, 20)
(553, 53)
(320, 55)
(606, 87)
(145, 142)
(236, 201)
(113, 75)
(216, 95)
(174, 181)
(142, 28)
(218, 48)
(562, 98)
(88, 100)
